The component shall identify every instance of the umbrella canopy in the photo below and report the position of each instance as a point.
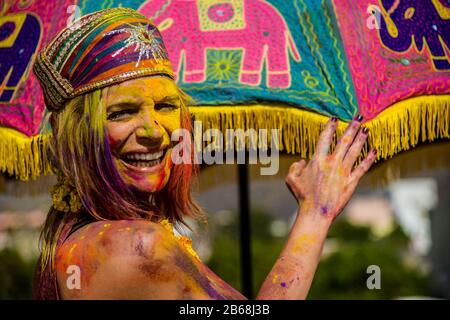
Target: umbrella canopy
(260, 64)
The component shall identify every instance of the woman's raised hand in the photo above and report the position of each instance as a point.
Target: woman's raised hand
(327, 182)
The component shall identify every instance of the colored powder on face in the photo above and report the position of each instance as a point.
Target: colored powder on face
(160, 180)
(113, 142)
(149, 131)
(137, 90)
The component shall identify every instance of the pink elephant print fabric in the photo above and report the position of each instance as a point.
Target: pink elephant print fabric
(333, 57)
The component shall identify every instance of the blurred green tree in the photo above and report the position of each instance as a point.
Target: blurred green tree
(16, 275)
(340, 275)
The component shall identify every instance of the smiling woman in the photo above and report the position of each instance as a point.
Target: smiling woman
(139, 125)
(114, 105)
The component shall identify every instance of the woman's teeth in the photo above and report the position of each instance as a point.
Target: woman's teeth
(144, 156)
(143, 160)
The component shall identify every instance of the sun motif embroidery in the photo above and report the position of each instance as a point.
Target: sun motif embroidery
(223, 65)
(147, 41)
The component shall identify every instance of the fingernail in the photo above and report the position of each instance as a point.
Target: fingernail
(374, 152)
(334, 119)
(358, 118)
(365, 130)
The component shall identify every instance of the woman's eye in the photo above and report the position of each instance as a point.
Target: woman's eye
(165, 107)
(120, 115)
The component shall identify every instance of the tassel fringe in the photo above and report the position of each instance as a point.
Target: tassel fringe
(23, 157)
(399, 128)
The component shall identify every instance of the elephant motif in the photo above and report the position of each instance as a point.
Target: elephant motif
(425, 21)
(190, 27)
(20, 35)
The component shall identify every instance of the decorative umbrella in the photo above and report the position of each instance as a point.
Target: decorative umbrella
(277, 64)
(260, 64)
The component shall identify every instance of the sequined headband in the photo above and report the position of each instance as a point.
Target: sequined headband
(99, 50)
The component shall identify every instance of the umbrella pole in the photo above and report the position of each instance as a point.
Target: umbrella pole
(244, 217)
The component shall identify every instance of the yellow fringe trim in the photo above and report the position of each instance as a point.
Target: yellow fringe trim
(398, 128)
(22, 156)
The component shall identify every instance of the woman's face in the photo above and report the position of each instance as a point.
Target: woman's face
(141, 116)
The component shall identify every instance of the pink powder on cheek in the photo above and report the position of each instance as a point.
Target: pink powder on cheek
(133, 175)
(113, 143)
(162, 179)
(147, 182)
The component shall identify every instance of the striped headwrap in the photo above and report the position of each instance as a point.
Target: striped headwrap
(99, 50)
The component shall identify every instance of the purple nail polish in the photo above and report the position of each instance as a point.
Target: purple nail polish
(375, 152)
(359, 118)
(334, 119)
(365, 130)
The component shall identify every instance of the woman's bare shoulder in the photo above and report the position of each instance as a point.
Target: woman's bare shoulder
(113, 237)
(133, 260)
(106, 254)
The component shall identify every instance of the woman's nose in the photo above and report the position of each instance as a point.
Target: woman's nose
(150, 130)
